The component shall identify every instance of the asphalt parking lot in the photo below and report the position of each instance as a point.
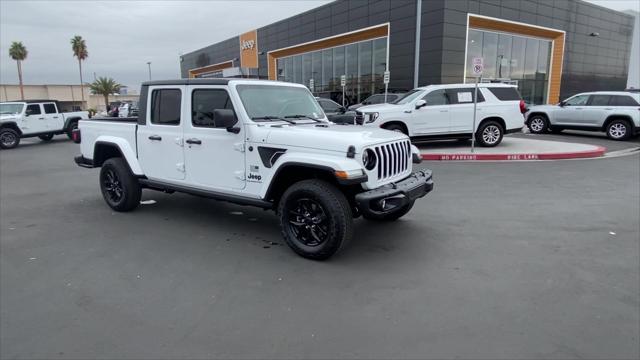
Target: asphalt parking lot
(503, 260)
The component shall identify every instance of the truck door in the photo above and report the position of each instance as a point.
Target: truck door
(214, 157)
(434, 117)
(160, 140)
(55, 121)
(34, 121)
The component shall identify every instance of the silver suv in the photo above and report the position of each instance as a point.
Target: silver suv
(615, 112)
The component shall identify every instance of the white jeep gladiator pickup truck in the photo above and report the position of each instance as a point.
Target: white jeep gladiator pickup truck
(41, 118)
(260, 143)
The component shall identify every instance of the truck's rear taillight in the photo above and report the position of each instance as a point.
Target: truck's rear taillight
(523, 107)
(75, 136)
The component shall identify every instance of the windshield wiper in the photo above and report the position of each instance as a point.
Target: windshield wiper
(273, 118)
(302, 117)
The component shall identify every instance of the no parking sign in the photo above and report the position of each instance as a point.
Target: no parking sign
(477, 66)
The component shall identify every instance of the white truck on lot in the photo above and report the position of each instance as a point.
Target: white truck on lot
(617, 113)
(41, 118)
(261, 143)
(446, 112)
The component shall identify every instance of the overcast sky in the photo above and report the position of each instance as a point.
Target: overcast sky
(123, 35)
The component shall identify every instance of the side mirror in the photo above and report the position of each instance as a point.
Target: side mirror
(562, 103)
(28, 112)
(342, 110)
(226, 118)
(420, 103)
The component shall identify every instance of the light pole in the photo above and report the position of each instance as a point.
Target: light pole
(149, 65)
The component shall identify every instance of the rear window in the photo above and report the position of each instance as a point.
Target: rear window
(623, 101)
(165, 106)
(505, 93)
(49, 108)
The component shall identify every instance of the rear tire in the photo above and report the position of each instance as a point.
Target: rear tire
(393, 216)
(72, 126)
(396, 127)
(46, 137)
(119, 187)
(489, 134)
(315, 219)
(538, 124)
(619, 129)
(9, 138)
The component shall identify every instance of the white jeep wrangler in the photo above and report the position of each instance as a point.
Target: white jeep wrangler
(260, 143)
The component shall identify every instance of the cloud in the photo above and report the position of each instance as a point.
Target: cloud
(122, 36)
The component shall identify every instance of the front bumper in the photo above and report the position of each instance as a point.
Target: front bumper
(392, 197)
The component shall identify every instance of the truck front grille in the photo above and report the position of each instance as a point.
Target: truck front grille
(393, 159)
(359, 119)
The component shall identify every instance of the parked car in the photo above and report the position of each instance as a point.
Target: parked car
(335, 112)
(41, 118)
(261, 143)
(614, 112)
(376, 99)
(446, 112)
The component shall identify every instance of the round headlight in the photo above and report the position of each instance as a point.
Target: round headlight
(369, 159)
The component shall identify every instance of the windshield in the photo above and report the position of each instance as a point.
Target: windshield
(409, 97)
(11, 108)
(266, 102)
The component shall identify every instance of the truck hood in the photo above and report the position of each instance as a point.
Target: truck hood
(382, 108)
(4, 118)
(330, 137)
(543, 108)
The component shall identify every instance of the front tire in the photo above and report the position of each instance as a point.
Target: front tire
(489, 134)
(393, 216)
(538, 124)
(46, 137)
(315, 219)
(119, 187)
(619, 130)
(9, 138)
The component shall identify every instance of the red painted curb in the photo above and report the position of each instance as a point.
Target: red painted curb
(597, 152)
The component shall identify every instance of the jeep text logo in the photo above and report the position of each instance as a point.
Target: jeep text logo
(247, 44)
(254, 177)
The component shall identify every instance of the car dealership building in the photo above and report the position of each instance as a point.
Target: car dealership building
(550, 49)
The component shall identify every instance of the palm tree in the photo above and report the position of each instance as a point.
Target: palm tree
(79, 48)
(18, 52)
(105, 86)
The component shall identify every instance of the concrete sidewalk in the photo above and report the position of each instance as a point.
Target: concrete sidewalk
(511, 148)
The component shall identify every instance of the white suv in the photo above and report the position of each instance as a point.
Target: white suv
(446, 112)
(614, 112)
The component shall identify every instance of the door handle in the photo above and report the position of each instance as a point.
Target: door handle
(444, 110)
(40, 118)
(608, 108)
(55, 117)
(155, 137)
(193, 141)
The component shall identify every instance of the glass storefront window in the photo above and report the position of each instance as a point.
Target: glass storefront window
(516, 59)
(365, 68)
(363, 63)
(306, 68)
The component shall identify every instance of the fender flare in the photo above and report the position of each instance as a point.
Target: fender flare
(323, 163)
(69, 121)
(12, 125)
(125, 149)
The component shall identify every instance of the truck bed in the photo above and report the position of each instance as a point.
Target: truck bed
(115, 119)
(108, 129)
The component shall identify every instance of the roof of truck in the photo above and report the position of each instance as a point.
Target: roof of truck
(217, 81)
